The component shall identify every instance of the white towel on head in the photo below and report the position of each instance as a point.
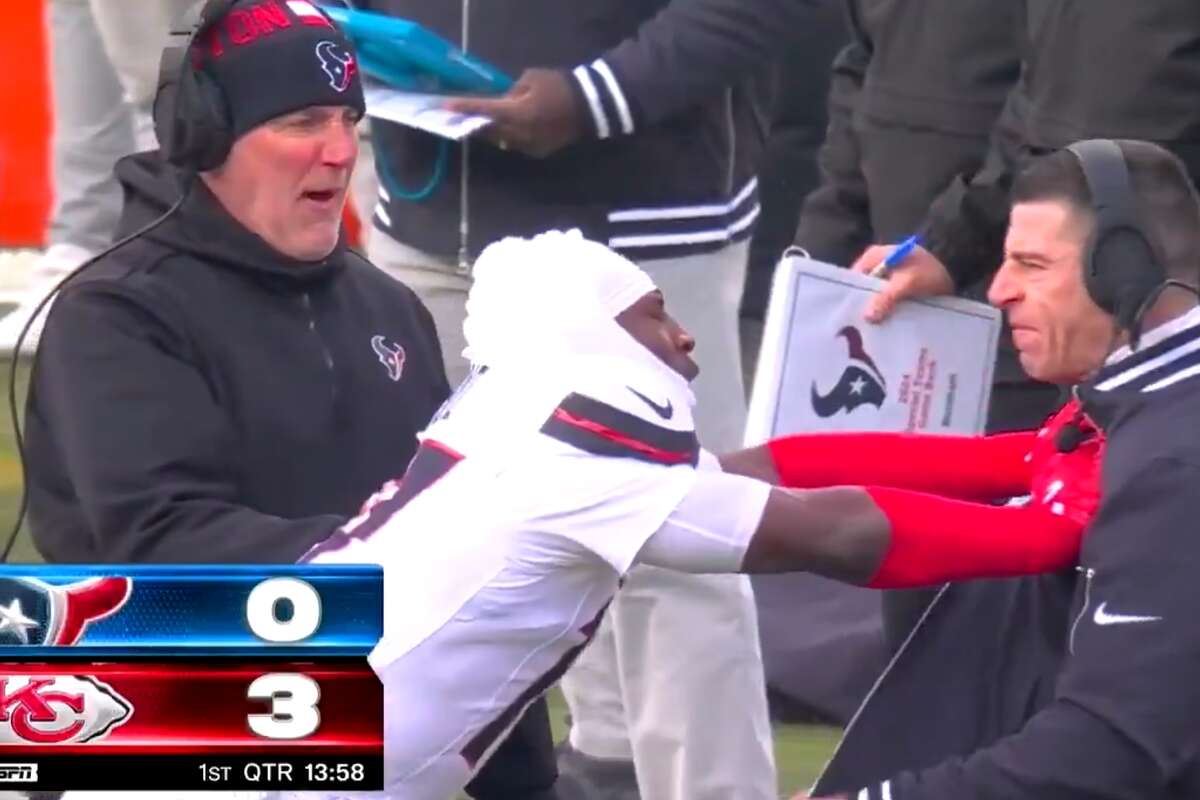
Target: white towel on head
(553, 296)
(541, 317)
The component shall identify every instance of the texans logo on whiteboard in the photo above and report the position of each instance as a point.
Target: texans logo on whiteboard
(861, 381)
(33, 612)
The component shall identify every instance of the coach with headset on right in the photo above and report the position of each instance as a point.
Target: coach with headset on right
(1101, 265)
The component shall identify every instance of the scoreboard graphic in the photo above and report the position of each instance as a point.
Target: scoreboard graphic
(188, 678)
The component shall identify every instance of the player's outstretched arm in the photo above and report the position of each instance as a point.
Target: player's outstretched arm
(967, 467)
(839, 533)
(883, 536)
(890, 538)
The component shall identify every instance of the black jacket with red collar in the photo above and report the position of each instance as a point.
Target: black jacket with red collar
(197, 396)
(1122, 724)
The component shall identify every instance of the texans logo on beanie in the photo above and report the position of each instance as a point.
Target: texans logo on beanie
(338, 64)
(273, 57)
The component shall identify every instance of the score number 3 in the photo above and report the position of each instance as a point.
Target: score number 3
(293, 697)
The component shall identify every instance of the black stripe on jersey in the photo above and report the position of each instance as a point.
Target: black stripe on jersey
(604, 430)
(487, 739)
(432, 461)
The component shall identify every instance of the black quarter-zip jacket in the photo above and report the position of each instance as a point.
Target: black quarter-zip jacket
(1124, 720)
(199, 397)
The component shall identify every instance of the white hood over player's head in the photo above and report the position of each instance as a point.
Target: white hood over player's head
(552, 299)
(542, 318)
(550, 304)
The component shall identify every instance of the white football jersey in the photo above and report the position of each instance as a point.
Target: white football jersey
(497, 572)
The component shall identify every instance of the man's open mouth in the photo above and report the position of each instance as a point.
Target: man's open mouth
(321, 195)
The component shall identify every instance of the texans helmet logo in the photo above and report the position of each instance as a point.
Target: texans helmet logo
(33, 612)
(338, 63)
(861, 381)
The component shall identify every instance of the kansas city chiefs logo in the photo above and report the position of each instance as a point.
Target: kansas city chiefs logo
(58, 709)
(861, 381)
(33, 612)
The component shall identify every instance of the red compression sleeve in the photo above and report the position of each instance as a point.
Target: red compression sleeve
(935, 540)
(970, 467)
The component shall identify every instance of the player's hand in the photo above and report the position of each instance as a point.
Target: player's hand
(1067, 484)
(920, 274)
(538, 116)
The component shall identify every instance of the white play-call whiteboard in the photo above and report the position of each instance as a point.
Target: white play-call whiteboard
(822, 367)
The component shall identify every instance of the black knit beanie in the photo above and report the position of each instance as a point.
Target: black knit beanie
(273, 57)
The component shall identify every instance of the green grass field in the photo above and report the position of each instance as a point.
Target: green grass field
(800, 750)
(10, 467)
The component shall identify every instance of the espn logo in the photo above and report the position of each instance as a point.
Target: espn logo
(18, 773)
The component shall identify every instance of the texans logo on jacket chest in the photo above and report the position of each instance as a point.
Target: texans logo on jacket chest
(391, 354)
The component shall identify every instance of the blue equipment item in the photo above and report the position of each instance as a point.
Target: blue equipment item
(406, 55)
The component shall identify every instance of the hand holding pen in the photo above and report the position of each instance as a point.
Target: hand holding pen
(898, 254)
(910, 270)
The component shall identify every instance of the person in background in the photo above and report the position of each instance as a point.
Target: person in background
(796, 658)
(787, 167)
(1147, 86)
(104, 66)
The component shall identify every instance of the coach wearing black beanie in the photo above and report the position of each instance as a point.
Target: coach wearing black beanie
(230, 385)
(273, 58)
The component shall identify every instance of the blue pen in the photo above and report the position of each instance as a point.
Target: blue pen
(898, 254)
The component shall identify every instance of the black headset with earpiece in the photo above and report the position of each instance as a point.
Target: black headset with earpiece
(191, 115)
(1122, 269)
(191, 121)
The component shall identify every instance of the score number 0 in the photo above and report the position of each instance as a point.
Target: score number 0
(293, 697)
